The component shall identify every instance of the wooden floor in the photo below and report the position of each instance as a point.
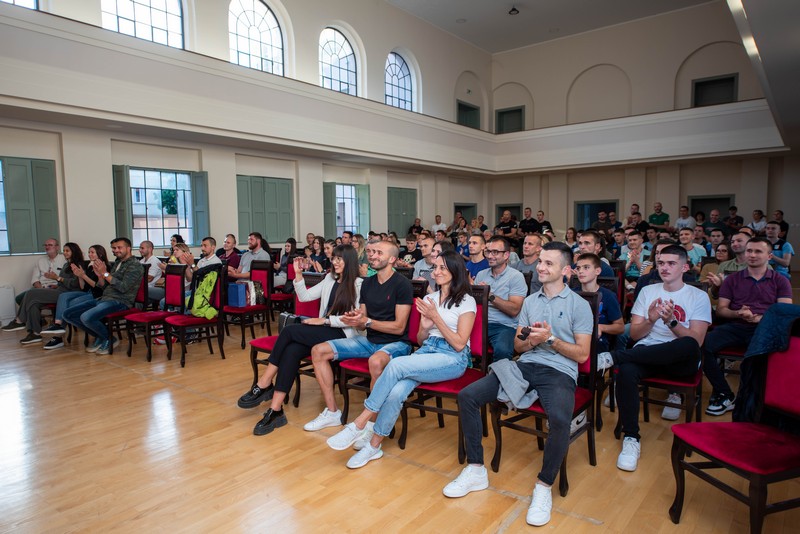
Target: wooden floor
(109, 443)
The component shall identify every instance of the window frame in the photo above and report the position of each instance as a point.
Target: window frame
(350, 83)
(142, 18)
(497, 119)
(233, 38)
(14, 3)
(390, 83)
(733, 77)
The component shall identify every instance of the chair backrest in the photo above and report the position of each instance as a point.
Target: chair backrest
(289, 271)
(408, 272)
(261, 271)
(705, 260)
(420, 288)
(611, 283)
(617, 265)
(306, 309)
(479, 337)
(275, 254)
(312, 279)
(141, 294)
(574, 282)
(414, 319)
(783, 368)
(219, 293)
(589, 367)
(528, 275)
(174, 286)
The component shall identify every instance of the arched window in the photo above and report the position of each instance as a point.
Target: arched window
(30, 4)
(399, 87)
(337, 63)
(255, 36)
(160, 21)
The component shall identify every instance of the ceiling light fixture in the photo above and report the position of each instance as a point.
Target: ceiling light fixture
(513, 11)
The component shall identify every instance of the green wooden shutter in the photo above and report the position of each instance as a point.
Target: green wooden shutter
(362, 193)
(285, 196)
(20, 206)
(201, 226)
(258, 206)
(329, 209)
(45, 199)
(244, 207)
(122, 201)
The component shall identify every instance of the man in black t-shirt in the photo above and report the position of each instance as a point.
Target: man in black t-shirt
(385, 305)
(529, 225)
(507, 228)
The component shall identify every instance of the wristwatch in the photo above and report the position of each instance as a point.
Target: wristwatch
(327, 322)
(106, 274)
(550, 340)
(673, 323)
(368, 323)
(491, 297)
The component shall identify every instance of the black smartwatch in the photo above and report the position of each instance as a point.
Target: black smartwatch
(491, 297)
(673, 323)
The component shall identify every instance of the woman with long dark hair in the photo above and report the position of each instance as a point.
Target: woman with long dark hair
(282, 267)
(338, 293)
(87, 290)
(447, 316)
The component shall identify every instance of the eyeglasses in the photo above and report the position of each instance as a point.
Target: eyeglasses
(336, 259)
(491, 252)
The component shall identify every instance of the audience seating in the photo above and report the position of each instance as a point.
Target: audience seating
(244, 316)
(408, 272)
(204, 329)
(153, 321)
(585, 399)
(115, 319)
(449, 389)
(280, 301)
(760, 453)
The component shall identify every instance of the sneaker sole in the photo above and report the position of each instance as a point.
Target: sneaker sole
(53, 332)
(720, 412)
(31, 341)
(459, 495)
(308, 428)
(629, 469)
(23, 327)
(51, 347)
(362, 464)
(263, 431)
(341, 447)
(667, 417)
(252, 404)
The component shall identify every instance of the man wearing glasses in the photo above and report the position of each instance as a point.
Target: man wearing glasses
(51, 262)
(508, 290)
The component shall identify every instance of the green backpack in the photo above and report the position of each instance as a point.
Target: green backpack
(199, 302)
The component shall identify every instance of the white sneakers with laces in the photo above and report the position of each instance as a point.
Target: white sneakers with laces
(604, 361)
(364, 456)
(628, 459)
(670, 413)
(346, 437)
(472, 478)
(324, 420)
(541, 505)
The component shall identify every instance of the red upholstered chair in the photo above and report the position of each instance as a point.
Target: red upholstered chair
(354, 373)
(204, 329)
(267, 344)
(278, 301)
(585, 399)
(244, 316)
(153, 321)
(731, 354)
(449, 389)
(115, 320)
(760, 453)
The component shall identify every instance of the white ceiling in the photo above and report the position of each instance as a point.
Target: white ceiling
(488, 25)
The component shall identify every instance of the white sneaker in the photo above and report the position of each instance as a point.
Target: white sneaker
(324, 420)
(604, 361)
(628, 459)
(346, 437)
(364, 456)
(363, 442)
(669, 413)
(472, 478)
(577, 423)
(541, 505)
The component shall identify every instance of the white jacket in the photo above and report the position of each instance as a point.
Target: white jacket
(322, 291)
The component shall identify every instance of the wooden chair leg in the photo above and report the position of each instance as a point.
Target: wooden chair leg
(563, 482)
(401, 441)
(296, 399)
(498, 438)
(678, 453)
(758, 503)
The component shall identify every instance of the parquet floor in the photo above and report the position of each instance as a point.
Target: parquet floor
(115, 444)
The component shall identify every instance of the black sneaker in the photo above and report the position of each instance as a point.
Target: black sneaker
(191, 339)
(724, 402)
(54, 343)
(31, 338)
(13, 326)
(54, 330)
(256, 396)
(270, 422)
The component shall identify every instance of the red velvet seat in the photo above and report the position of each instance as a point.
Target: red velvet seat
(153, 321)
(761, 453)
(203, 329)
(449, 389)
(586, 397)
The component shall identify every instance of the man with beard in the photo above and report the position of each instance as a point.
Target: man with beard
(254, 252)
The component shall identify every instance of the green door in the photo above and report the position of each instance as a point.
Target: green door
(402, 209)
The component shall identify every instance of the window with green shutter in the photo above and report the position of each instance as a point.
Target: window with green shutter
(28, 204)
(345, 208)
(265, 205)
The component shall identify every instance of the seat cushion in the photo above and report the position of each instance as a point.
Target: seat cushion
(280, 297)
(752, 447)
(189, 320)
(148, 317)
(452, 387)
(121, 314)
(266, 343)
(358, 365)
(583, 397)
(664, 381)
(240, 310)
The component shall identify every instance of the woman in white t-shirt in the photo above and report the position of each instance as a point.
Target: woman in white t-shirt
(447, 316)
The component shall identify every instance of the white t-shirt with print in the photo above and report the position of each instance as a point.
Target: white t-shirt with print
(691, 304)
(451, 315)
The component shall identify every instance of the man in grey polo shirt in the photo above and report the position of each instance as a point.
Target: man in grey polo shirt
(254, 252)
(508, 290)
(560, 323)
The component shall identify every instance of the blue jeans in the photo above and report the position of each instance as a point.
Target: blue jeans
(67, 299)
(435, 361)
(361, 347)
(89, 316)
(557, 395)
(501, 338)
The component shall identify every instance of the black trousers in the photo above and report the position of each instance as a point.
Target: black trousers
(294, 343)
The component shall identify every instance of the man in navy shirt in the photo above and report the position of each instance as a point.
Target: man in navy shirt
(609, 320)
